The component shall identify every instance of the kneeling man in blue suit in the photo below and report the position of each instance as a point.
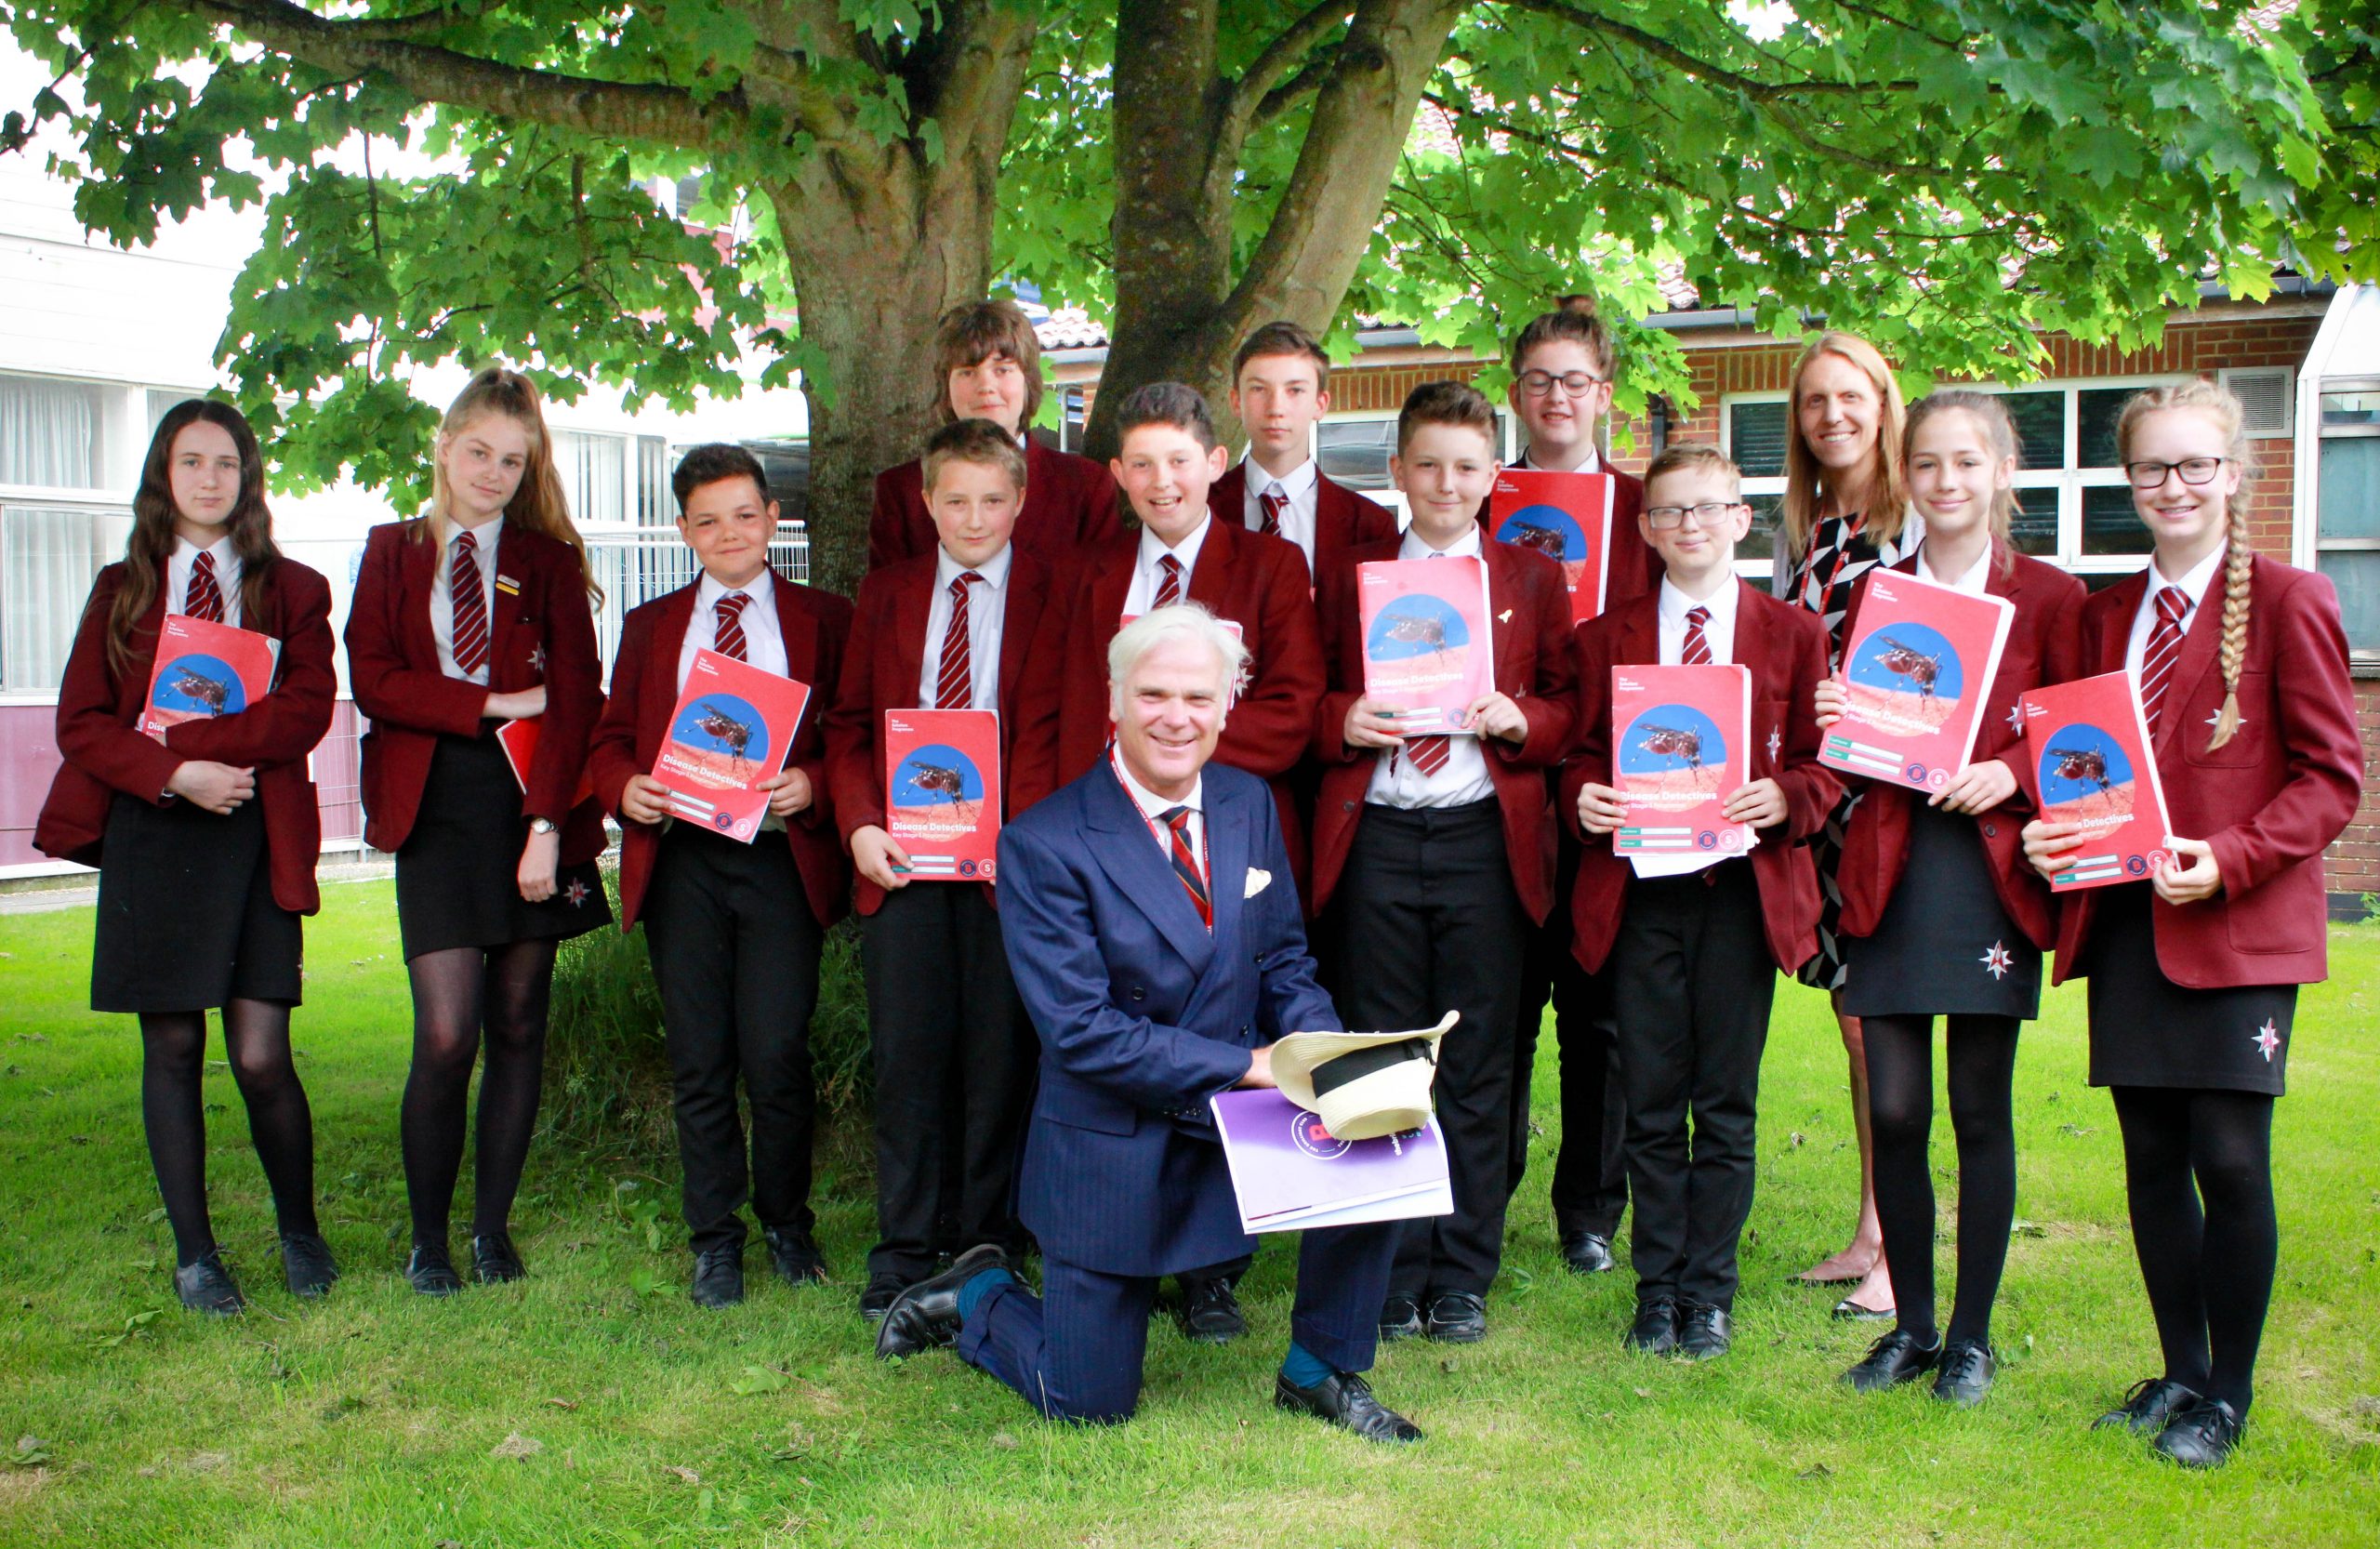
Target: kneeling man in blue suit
(1154, 934)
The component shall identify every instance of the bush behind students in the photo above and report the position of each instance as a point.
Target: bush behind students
(736, 929)
(1280, 390)
(2194, 973)
(205, 842)
(954, 1053)
(1432, 856)
(477, 614)
(1941, 914)
(988, 366)
(1690, 954)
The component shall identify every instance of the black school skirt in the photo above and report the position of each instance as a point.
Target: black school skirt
(2148, 1031)
(187, 920)
(458, 873)
(1945, 947)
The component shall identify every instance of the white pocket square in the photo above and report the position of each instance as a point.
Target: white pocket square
(1258, 880)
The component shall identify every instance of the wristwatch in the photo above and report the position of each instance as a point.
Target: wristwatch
(541, 825)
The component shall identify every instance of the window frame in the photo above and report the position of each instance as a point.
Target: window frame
(1393, 497)
(2317, 544)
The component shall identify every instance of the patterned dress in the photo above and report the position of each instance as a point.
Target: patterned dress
(1823, 580)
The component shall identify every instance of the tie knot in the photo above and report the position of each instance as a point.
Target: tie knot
(203, 565)
(1698, 616)
(960, 583)
(1176, 818)
(465, 543)
(2174, 603)
(733, 604)
(1167, 564)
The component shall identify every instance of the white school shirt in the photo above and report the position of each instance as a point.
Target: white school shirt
(1396, 783)
(986, 610)
(1718, 631)
(1975, 582)
(1299, 488)
(442, 596)
(1154, 808)
(763, 641)
(184, 560)
(1139, 595)
(2194, 585)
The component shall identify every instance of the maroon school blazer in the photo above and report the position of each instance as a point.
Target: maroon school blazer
(1069, 508)
(1341, 518)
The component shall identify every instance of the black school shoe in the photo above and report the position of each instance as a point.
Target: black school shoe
(1209, 1312)
(1655, 1331)
(794, 1255)
(718, 1277)
(430, 1272)
(1344, 1399)
(205, 1286)
(2147, 1405)
(1892, 1361)
(2204, 1435)
(1400, 1318)
(1703, 1332)
(495, 1261)
(1586, 1252)
(926, 1317)
(1457, 1318)
(1966, 1376)
(876, 1299)
(307, 1265)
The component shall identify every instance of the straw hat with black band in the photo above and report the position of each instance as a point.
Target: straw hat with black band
(1361, 1085)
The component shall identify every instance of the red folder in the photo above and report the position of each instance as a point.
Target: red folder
(1918, 672)
(729, 735)
(1427, 653)
(518, 740)
(942, 792)
(204, 669)
(1565, 517)
(1681, 745)
(2092, 765)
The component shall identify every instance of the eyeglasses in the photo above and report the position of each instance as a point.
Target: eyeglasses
(1708, 514)
(2194, 470)
(1537, 384)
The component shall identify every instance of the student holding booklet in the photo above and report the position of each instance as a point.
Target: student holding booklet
(477, 614)
(2194, 970)
(1691, 951)
(1941, 914)
(939, 643)
(735, 918)
(204, 833)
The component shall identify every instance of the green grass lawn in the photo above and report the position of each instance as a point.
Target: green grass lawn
(593, 1405)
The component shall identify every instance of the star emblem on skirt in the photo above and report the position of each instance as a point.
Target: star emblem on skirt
(1997, 960)
(577, 892)
(2267, 1039)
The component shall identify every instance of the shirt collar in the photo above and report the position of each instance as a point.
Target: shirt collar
(759, 589)
(1675, 604)
(2195, 583)
(993, 571)
(483, 536)
(221, 549)
(1974, 580)
(1464, 547)
(1592, 465)
(1153, 547)
(1295, 483)
(1152, 805)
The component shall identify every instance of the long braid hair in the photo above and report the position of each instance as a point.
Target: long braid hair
(539, 504)
(151, 542)
(2217, 403)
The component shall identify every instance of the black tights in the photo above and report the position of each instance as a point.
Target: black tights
(455, 994)
(2197, 1167)
(173, 1068)
(1900, 1108)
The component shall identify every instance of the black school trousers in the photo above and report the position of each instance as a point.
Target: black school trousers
(1590, 1189)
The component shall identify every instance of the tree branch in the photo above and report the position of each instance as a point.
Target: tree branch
(1678, 58)
(1281, 99)
(1251, 94)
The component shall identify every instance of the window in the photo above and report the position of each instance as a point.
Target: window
(48, 556)
(610, 480)
(2073, 506)
(57, 434)
(69, 456)
(1354, 450)
(2346, 506)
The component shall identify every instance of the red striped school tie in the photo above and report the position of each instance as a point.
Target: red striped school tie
(2164, 648)
(1273, 503)
(1169, 582)
(1428, 754)
(1696, 650)
(727, 625)
(470, 606)
(1185, 862)
(203, 599)
(954, 683)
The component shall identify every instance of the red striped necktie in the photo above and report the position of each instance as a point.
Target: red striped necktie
(1273, 503)
(1696, 651)
(955, 679)
(1185, 861)
(470, 604)
(204, 598)
(2163, 648)
(727, 625)
(1169, 582)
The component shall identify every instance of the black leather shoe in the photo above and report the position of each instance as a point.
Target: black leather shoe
(1892, 1361)
(1400, 1318)
(206, 1285)
(882, 1293)
(1655, 1331)
(1703, 1332)
(1586, 1252)
(2204, 1435)
(1965, 1376)
(1345, 1399)
(718, 1277)
(1457, 1318)
(495, 1261)
(1209, 1312)
(307, 1265)
(793, 1254)
(925, 1316)
(2147, 1405)
(430, 1272)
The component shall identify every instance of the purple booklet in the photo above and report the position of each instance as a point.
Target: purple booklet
(1290, 1173)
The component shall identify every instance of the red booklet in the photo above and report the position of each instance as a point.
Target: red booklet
(729, 736)
(1917, 672)
(1565, 517)
(2092, 760)
(942, 792)
(518, 740)
(1681, 745)
(204, 669)
(1427, 648)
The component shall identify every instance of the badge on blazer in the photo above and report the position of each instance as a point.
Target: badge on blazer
(507, 584)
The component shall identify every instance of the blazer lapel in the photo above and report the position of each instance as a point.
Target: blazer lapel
(1140, 872)
(2124, 602)
(1218, 562)
(418, 559)
(1028, 591)
(912, 610)
(1503, 615)
(1227, 830)
(512, 657)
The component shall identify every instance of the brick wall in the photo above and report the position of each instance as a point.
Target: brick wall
(2353, 865)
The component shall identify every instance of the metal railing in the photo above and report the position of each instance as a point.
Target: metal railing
(634, 568)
